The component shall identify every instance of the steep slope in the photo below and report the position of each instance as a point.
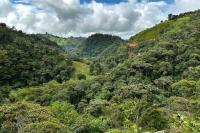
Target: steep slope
(96, 44)
(170, 26)
(109, 58)
(174, 44)
(30, 60)
(164, 70)
(70, 44)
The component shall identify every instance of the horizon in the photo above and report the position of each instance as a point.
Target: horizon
(74, 18)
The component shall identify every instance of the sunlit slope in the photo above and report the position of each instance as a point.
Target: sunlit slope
(81, 69)
(160, 29)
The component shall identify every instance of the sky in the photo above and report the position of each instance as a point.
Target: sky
(85, 17)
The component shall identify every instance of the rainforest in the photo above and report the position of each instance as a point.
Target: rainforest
(102, 83)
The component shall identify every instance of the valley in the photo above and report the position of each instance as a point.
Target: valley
(102, 83)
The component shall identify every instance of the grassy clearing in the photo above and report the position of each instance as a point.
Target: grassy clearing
(81, 68)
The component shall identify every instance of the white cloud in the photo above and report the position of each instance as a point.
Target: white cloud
(5, 8)
(180, 6)
(69, 17)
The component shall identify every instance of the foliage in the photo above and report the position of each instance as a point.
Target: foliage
(70, 44)
(98, 43)
(81, 70)
(27, 60)
(28, 117)
(150, 86)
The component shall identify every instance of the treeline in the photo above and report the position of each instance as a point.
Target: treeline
(173, 17)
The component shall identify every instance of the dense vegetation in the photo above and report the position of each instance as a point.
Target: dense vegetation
(28, 60)
(98, 43)
(71, 44)
(151, 83)
(93, 46)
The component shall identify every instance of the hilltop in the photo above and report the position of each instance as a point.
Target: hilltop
(97, 43)
(92, 46)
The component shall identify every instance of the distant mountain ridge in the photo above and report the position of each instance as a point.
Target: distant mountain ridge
(97, 43)
(91, 46)
(69, 44)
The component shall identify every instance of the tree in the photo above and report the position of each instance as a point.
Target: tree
(65, 112)
(154, 119)
(164, 82)
(192, 73)
(28, 117)
(185, 88)
(97, 107)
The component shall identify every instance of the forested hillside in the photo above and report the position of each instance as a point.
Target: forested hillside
(150, 83)
(98, 43)
(71, 44)
(93, 46)
(28, 60)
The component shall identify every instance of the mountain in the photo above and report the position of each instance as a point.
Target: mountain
(150, 83)
(28, 60)
(70, 44)
(98, 43)
(163, 68)
(95, 45)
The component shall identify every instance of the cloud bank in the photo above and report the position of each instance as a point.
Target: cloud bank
(71, 18)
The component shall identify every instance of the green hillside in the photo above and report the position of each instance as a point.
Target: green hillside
(95, 45)
(70, 44)
(27, 60)
(149, 84)
(158, 30)
(98, 43)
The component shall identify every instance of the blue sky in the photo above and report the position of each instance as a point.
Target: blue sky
(25, 2)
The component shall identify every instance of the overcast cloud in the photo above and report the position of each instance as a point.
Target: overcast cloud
(70, 18)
